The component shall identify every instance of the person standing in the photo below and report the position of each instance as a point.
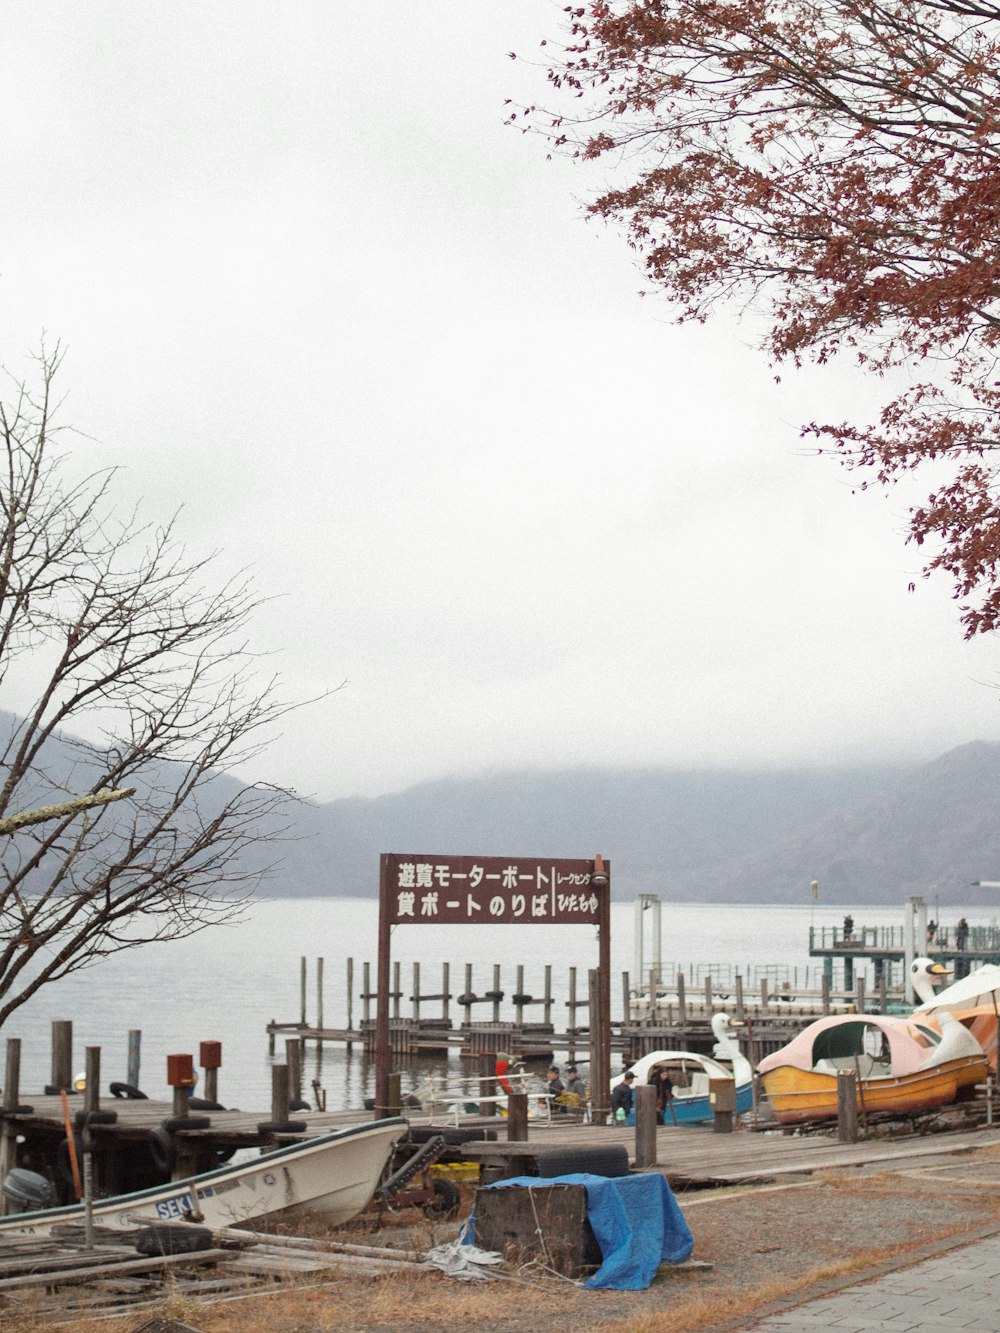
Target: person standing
(621, 1098)
(961, 944)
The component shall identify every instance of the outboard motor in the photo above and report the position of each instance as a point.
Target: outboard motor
(28, 1191)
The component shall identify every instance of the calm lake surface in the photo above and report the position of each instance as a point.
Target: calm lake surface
(227, 983)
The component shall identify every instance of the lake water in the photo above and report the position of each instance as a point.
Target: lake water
(227, 983)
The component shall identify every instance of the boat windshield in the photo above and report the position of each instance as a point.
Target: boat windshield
(846, 1039)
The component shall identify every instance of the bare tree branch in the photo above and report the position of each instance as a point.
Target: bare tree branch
(143, 687)
(74, 807)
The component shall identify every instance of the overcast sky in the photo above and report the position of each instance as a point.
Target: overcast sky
(313, 290)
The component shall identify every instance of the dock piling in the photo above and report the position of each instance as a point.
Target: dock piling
(645, 1127)
(133, 1060)
(11, 1098)
(62, 1054)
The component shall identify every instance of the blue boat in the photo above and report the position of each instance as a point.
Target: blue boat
(690, 1074)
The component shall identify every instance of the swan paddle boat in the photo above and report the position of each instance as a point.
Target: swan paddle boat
(974, 1000)
(690, 1074)
(904, 1066)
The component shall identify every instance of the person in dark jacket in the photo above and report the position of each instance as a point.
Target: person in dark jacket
(621, 1097)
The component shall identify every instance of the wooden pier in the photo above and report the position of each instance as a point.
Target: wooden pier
(666, 1012)
(885, 947)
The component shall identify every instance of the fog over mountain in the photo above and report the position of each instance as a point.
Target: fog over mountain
(874, 834)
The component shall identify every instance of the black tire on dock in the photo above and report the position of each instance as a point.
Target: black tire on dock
(609, 1159)
(299, 1105)
(176, 1122)
(127, 1091)
(282, 1127)
(204, 1104)
(84, 1118)
(172, 1238)
(446, 1199)
(421, 1133)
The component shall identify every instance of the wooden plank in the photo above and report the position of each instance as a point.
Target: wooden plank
(89, 1272)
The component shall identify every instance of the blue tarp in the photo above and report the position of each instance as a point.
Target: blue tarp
(637, 1222)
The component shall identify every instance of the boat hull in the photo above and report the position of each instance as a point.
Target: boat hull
(797, 1095)
(699, 1110)
(333, 1174)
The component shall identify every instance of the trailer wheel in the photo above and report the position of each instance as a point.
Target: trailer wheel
(446, 1199)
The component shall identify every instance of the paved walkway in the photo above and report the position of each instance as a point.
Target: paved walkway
(959, 1289)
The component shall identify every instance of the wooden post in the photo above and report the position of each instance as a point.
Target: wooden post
(382, 1008)
(180, 1077)
(519, 990)
(740, 1010)
(293, 1058)
(397, 989)
(395, 1102)
(366, 993)
(62, 1054)
(302, 991)
(319, 993)
(860, 1002)
(547, 1002)
(496, 991)
(763, 995)
(847, 1106)
(517, 1117)
(210, 1059)
(600, 1076)
(8, 1130)
(445, 993)
(654, 986)
(708, 995)
(134, 1057)
(279, 1094)
(92, 1074)
(825, 993)
(416, 993)
(883, 998)
(487, 1082)
(681, 1000)
(350, 1000)
(645, 1127)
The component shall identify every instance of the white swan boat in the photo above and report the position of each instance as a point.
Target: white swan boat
(690, 1073)
(333, 1175)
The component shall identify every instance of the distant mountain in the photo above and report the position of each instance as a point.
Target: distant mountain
(680, 833)
(875, 834)
(933, 831)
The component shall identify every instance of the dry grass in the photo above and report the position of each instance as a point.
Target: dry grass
(763, 1242)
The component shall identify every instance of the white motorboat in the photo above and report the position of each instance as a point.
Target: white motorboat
(333, 1175)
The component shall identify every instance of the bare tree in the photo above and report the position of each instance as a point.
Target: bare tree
(140, 692)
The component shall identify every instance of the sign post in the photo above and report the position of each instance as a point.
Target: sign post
(495, 890)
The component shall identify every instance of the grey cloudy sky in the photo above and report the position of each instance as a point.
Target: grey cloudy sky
(313, 290)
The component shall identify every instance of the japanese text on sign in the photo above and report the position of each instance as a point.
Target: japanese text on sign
(463, 889)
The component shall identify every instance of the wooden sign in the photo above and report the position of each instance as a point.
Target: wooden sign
(501, 890)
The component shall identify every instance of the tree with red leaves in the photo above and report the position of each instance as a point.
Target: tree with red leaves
(836, 165)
